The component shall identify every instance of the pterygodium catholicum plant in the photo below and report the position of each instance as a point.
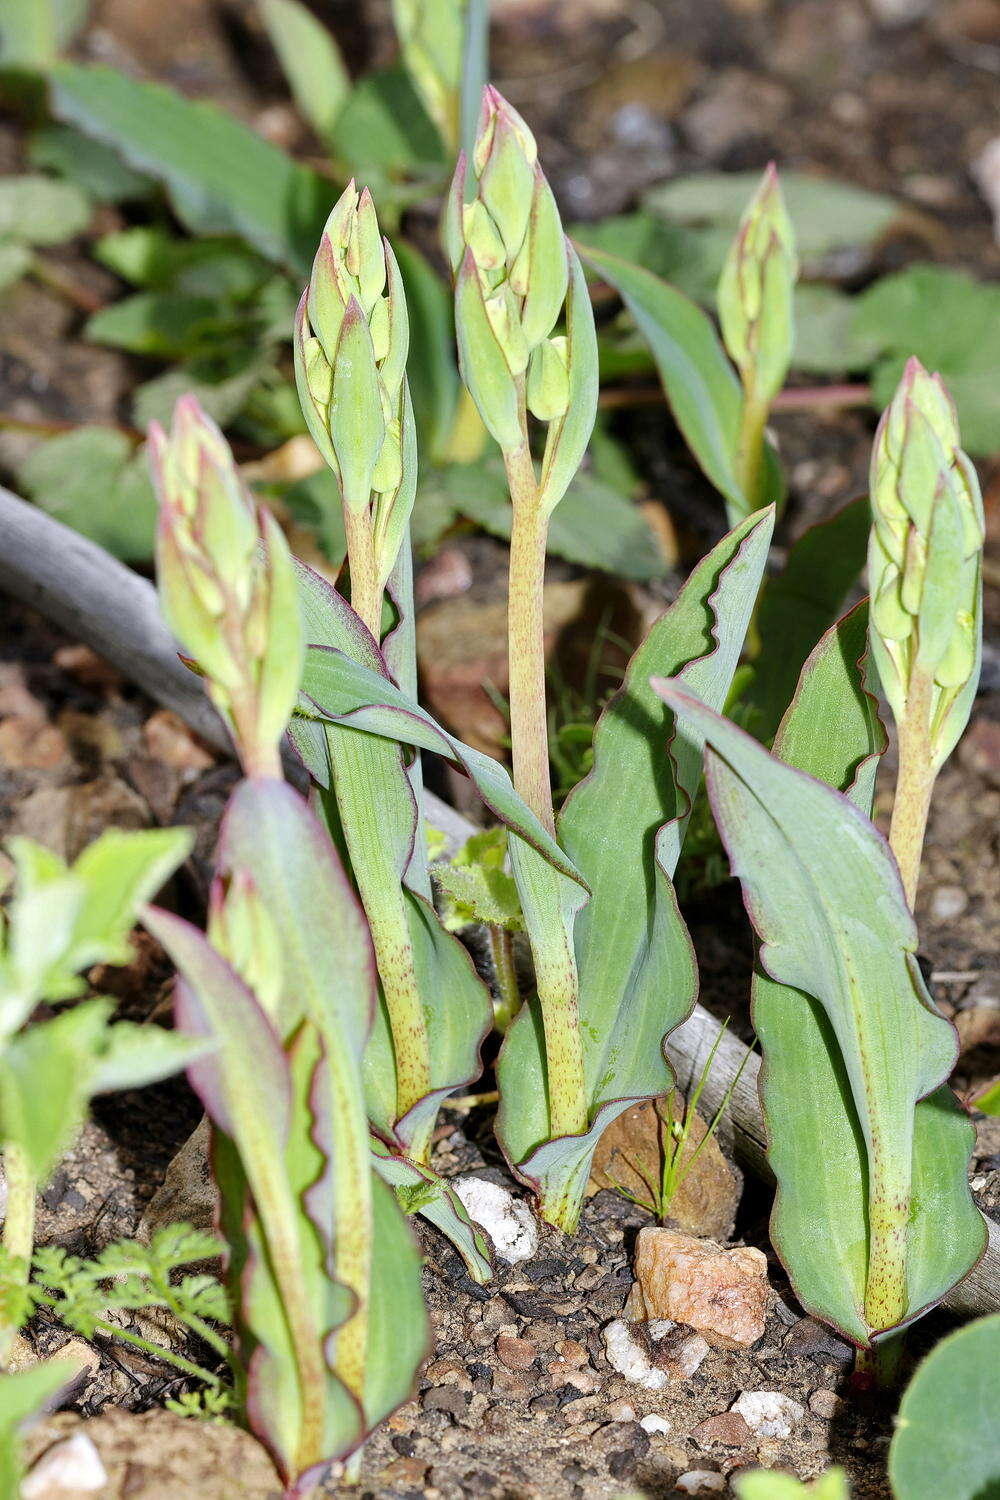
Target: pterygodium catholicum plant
(925, 572)
(614, 969)
(873, 1217)
(323, 1271)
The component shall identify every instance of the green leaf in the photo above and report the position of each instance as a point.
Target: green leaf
(368, 769)
(40, 211)
(24, 1397)
(874, 1219)
(15, 260)
(132, 1056)
(477, 886)
(796, 607)
(45, 1077)
(258, 1100)
(222, 177)
(773, 1484)
(419, 1190)
(311, 61)
(828, 339)
(989, 1100)
(384, 127)
(945, 1441)
(623, 827)
(151, 258)
(153, 323)
(827, 215)
(952, 324)
(700, 384)
(222, 400)
(92, 479)
(94, 167)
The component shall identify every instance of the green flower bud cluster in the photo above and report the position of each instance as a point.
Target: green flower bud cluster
(925, 555)
(226, 582)
(514, 267)
(431, 37)
(756, 289)
(351, 343)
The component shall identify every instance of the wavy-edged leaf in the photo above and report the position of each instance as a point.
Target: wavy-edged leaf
(421, 1191)
(623, 827)
(289, 1304)
(797, 605)
(365, 771)
(700, 383)
(824, 894)
(222, 177)
(816, 1148)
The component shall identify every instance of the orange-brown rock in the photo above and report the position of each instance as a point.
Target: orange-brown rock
(631, 1150)
(720, 1292)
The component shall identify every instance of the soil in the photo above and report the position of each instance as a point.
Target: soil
(622, 95)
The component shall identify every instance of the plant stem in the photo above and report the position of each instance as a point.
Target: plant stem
(914, 783)
(878, 1366)
(18, 1228)
(750, 453)
(366, 595)
(508, 1001)
(529, 730)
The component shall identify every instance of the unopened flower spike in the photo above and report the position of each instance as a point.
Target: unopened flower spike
(351, 343)
(925, 577)
(755, 303)
(226, 583)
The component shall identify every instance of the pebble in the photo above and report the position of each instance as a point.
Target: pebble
(810, 1337)
(446, 1398)
(727, 1428)
(510, 1224)
(948, 901)
(825, 1404)
(620, 1411)
(721, 1293)
(68, 1467)
(654, 1425)
(701, 1482)
(769, 1413)
(516, 1353)
(630, 1360)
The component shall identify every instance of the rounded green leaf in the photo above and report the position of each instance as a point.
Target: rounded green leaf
(947, 1440)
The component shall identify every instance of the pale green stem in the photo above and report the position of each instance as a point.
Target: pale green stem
(366, 592)
(557, 984)
(879, 1365)
(19, 1226)
(508, 1001)
(750, 452)
(914, 783)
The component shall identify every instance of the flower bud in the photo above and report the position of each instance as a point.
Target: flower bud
(924, 556)
(756, 290)
(503, 235)
(351, 344)
(226, 582)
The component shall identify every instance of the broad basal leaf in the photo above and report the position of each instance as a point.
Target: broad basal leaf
(36, 210)
(945, 1442)
(796, 606)
(93, 480)
(222, 177)
(824, 894)
(418, 960)
(312, 62)
(623, 827)
(816, 1146)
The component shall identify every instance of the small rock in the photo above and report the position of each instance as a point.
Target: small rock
(899, 12)
(978, 1026)
(510, 1224)
(811, 1338)
(980, 748)
(516, 1353)
(769, 1413)
(630, 1359)
(682, 1354)
(736, 104)
(188, 1194)
(169, 739)
(654, 1425)
(572, 1352)
(405, 1474)
(445, 1398)
(447, 574)
(620, 1411)
(726, 1428)
(948, 901)
(701, 1482)
(721, 1293)
(70, 1467)
(825, 1404)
